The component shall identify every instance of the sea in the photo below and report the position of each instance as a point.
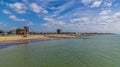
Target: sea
(86, 51)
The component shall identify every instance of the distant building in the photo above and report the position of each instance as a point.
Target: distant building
(59, 31)
(12, 32)
(20, 31)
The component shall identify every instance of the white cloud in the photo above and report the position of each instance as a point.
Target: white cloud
(13, 17)
(104, 17)
(84, 19)
(53, 8)
(19, 7)
(37, 9)
(6, 12)
(48, 19)
(112, 22)
(105, 12)
(85, 2)
(52, 23)
(30, 23)
(63, 8)
(103, 23)
(111, 19)
(76, 24)
(44, 11)
(96, 4)
(108, 3)
(117, 15)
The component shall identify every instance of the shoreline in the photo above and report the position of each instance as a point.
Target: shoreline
(18, 38)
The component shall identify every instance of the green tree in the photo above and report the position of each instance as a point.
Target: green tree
(1, 31)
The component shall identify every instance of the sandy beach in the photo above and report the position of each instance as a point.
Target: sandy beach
(17, 38)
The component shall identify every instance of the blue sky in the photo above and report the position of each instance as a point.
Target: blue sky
(68, 15)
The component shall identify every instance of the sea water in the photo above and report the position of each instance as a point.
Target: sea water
(88, 51)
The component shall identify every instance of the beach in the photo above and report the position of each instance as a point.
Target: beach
(18, 38)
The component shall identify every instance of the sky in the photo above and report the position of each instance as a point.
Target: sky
(69, 15)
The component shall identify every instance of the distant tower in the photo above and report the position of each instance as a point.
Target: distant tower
(59, 31)
(27, 29)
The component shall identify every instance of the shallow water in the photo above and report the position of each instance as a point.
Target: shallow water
(90, 51)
